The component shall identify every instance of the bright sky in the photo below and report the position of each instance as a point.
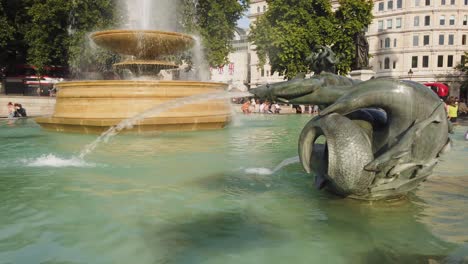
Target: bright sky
(243, 22)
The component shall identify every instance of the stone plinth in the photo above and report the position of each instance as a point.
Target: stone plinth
(362, 75)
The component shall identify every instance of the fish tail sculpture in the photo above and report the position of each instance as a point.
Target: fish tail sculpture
(381, 138)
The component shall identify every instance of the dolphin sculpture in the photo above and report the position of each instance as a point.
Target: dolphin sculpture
(382, 137)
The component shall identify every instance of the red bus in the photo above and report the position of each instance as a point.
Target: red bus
(441, 89)
(24, 79)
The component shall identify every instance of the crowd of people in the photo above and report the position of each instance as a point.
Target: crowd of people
(16, 110)
(266, 107)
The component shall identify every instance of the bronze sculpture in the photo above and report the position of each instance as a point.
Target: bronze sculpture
(382, 137)
(361, 59)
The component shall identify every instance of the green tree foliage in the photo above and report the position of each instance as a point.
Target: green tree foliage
(215, 21)
(6, 30)
(288, 31)
(352, 17)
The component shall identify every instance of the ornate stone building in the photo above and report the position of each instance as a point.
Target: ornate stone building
(421, 40)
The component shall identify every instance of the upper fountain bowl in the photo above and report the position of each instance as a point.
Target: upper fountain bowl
(143, 44)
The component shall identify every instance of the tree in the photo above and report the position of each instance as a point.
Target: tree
(352, 17)
(215, 21)
(290, 29)
(58, 31)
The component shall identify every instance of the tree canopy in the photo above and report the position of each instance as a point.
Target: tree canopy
(215, 21)
(290, 29)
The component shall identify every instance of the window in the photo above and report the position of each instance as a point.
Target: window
(414, 62)
(381, 6)
(442, 2)
(427, 20)
(394, 42)
(462, 61)
(463, 39)
(450, 61)
(452, 20)
(441, 40)
(451, 38)
(389, 23)
(398, 22)
(399, 3)
(426, 40)
(387, 63)
(416, 21)
(264, 8)
(428, 2)
(442, 20)
(262, 72)
(415, 40)
(452, 2)
(416, 2)
(380, 25)
(465, 19)
(381, 43)
(387, 42)
(258, 9)
(466, 2)
(425, 62)
(394, 64)
(390, 5)
(440, 61)
(380, 65)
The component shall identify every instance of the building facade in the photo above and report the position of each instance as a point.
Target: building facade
(236, 72)
(421, 40)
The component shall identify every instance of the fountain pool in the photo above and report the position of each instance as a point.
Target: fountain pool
(195, 197)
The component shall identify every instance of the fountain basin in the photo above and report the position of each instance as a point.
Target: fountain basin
(143, 44)
(94, 106)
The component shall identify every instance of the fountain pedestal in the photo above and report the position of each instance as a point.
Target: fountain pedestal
(94, 106)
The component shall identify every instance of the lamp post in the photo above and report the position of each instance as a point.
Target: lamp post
(410, 73)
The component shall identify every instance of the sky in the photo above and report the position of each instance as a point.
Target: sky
(243, 22)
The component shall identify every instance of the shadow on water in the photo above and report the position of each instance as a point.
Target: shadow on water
(199, 239)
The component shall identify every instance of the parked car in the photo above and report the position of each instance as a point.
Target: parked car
(441, 89)
(25, 79)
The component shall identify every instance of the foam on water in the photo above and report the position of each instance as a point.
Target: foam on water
(51, 160)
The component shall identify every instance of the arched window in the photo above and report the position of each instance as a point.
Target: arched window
(387, 42)
(387, 63)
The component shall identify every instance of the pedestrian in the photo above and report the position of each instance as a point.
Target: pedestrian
(11, 110)
(20, 111)
(452, 110)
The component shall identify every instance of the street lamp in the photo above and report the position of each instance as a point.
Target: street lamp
(410, 73)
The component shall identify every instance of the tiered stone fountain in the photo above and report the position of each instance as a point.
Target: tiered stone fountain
(94, 106)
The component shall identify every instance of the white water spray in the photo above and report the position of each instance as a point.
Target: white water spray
(266, 171)
(158, 109)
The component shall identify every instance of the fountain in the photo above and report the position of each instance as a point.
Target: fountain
(94, 106)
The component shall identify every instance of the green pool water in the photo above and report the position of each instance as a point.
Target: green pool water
(195, 198)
